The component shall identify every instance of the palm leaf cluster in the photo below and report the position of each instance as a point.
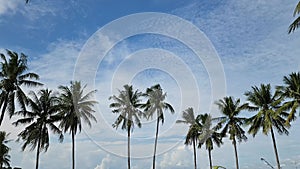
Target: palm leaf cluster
(13, 76)
(4, 150)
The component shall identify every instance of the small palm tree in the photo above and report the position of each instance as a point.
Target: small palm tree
(4, 150)
(268, 116)
(13, 75)
(193, 132)
(75, 107)
(231, 108)
(296, 22)
(291, 91)
(40, 120)
(156, 105)
(209, 135)
(127, 104)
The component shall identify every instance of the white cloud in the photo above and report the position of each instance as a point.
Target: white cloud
(8, 7)
(106, 163)
(57, 66)
(181, 157)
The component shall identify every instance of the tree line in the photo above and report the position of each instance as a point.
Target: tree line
(65, 111)
(274, 110)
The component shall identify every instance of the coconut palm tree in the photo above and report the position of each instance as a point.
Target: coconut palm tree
(268, 117)
(291, 91)
(296, 22)
(193, 132)
(40, 119)
(231, 108)
(127, 104)
(4, 150)
(209, 135)
(156, 105)
(13, 75)
(75, 107)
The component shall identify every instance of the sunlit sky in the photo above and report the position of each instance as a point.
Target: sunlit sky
(248, 38)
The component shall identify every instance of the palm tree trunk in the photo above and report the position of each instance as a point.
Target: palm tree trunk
(38, 153)
(128, 148)
(210, 160)
(73, 150)
(195, 155)
(3, 112)
(275, 148)
(236, 154)
(155, 144)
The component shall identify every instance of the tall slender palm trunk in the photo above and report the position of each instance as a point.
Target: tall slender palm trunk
(128, 148)
(195, 154)
(3, 111)
(38, 153)
(236, 154)
(275, 148)
(209, 157)
(73, 150)
(155, 144)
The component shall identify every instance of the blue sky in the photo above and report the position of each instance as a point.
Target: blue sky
(246, 40)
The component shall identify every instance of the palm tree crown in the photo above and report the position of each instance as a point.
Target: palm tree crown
(267, 105)
(127, 104)
(231, 108)
(156, 103)
(40, 120)
(75, 107)
(291, 90)
(13, 75)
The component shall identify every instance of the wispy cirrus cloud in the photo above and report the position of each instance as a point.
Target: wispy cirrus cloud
(254, 47)
(56, 66)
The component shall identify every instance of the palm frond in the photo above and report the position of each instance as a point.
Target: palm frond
(294, 25)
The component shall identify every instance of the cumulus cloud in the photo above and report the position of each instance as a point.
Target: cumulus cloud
(106, 163)
(114, 162)
(178, 158)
